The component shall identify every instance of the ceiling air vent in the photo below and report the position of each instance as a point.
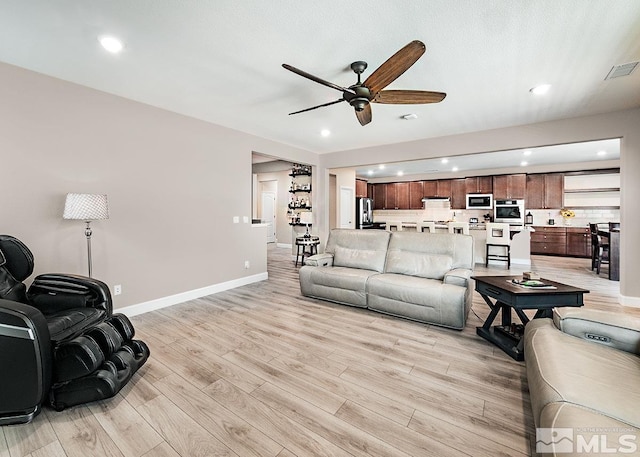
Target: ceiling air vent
(622, 70)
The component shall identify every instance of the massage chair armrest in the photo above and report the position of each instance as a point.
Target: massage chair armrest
(54, 292)
(320, 260)
(458, 277)
(619, 331)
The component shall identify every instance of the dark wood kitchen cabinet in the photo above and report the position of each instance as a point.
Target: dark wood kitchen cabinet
(544, 191)
(416, 192)
(479, 185)
(458, 193)
(430, 188)
(397, 195)
(578, 241)
(379, 195)
(549, 240)
(444, 188)
(507, 187)
(361, 188)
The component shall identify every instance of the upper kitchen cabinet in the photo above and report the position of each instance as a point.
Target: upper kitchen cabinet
(429, 188)
(444, 188)
(458, 193)
(544, 191)
(479, 185)
(379, 196)
(416, 192)
(361, 188)
(397, 195)
(509, 186)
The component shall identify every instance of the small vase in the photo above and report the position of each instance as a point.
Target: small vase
(567, 220)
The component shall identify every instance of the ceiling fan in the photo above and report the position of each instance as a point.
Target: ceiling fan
(361, 94)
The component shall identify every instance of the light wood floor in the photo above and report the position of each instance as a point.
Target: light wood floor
(262, 371)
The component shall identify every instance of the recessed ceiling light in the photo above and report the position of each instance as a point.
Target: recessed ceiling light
(454, 169)
(325, 132)
(527, 152)
(400, 173)
(381, 166)
(524, 163)
(370, 172)
(602, 153)
(111, 44)
(540, 89)
(445, 160)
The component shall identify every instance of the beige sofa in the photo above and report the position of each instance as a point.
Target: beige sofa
(583, 372)
(419, 276)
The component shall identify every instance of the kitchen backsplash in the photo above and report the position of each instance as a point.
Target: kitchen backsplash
(540, 216)
(583, 216)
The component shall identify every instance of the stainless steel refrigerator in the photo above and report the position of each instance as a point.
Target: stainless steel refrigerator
(364, 212)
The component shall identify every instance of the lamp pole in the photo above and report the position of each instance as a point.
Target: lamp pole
(88, 233)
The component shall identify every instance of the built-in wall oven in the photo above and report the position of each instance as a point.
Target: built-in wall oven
(509, 211)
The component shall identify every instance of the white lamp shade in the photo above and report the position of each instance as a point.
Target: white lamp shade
(86, 207)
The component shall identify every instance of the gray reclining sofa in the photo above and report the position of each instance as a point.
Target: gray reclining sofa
(419, 276)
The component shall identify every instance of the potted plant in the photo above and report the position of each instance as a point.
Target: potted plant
(567, 215)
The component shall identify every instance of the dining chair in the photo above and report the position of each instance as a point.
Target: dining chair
(498, 236)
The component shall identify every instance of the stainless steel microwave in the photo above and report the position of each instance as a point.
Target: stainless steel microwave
(479, 201)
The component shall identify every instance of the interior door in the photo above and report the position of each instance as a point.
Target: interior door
(269, 215)
(347, 207)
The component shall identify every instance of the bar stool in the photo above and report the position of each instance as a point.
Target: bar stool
(302, 242)
(430, 226)
(498, 236)
(458, 227)
(599, 248)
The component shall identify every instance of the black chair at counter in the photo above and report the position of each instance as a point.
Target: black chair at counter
(599, 249)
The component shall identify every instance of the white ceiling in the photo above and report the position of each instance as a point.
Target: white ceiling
(220, 60)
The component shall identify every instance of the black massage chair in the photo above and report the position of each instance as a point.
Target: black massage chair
(60, 344)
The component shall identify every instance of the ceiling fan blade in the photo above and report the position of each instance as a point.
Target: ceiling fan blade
(304, 74)
(397, 64)
(408, 97)
(364, 116)
(319, 106)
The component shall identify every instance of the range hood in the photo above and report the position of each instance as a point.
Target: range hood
(439, 199)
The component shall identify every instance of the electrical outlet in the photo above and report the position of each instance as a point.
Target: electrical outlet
(247, 264)
(117, 289)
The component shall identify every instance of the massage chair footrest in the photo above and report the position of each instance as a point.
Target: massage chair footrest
(103, 383)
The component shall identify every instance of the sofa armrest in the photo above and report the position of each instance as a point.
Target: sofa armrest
(619, 331)
(458, 277)
(320, 260)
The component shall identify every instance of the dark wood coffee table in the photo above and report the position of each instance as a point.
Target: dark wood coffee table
(508, 296)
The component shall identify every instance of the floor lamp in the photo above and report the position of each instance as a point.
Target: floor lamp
(86, 207)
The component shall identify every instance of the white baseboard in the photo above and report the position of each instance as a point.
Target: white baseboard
(632, 302)
(283, 245)
(159, 303)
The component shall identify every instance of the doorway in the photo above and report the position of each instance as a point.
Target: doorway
(268, 214)
(347, 199)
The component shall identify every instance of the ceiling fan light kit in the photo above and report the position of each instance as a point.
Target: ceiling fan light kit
(362, 94)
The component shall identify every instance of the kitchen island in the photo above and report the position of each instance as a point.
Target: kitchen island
(520, 240)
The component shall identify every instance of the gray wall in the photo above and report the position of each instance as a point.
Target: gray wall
(174, 185)
(620, 124)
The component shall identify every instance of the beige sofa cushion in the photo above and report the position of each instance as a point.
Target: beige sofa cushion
(564, 368)
(365, 249)
(431, 266)
(459, 248)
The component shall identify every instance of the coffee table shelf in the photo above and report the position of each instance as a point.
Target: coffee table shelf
(507, 296)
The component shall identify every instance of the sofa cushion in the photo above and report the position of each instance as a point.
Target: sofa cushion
(364, 249)
(458, 247)
(432, 266)
(339, 284)
(564, 368)
(421, 299)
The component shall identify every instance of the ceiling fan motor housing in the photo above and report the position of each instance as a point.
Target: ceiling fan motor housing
(362, 98)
